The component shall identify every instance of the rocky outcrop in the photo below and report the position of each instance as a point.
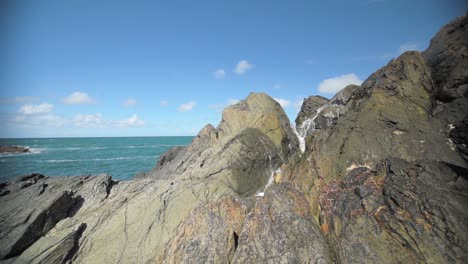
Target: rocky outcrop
(134, 221)
(377, 174)
(13, 149)
(447, 58)
(253, 139)
(309, 108)
(400, 207)
(32, 205)
(387, 177)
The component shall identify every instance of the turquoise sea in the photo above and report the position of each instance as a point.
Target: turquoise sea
(121, 157)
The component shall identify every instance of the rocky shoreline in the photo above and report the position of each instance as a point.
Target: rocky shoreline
(377, 174)
(13, 149)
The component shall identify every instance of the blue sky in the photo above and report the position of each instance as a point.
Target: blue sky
(153, 68)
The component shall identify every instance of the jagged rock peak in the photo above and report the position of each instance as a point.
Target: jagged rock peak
(309, 108)
(447, 55)
(261, 112)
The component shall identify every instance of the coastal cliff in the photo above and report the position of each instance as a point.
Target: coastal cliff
(376, 174)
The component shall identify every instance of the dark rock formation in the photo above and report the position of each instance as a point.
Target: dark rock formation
(13, 149)
(381, 178)
(309, 108)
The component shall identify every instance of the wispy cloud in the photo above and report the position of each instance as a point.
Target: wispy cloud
(335, 84)
(78, 98)
(283, 102)
(34, 116)
(277, 86)
(163, 103)
(220, 107)
(187, 106)
(219, 74)
(132, 121)
(18, 100)
(98, 121)
(90, 120)
(129, 102)
(242, 67)
(309, 61)
(30, 109)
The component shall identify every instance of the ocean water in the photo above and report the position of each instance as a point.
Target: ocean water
(122, 158)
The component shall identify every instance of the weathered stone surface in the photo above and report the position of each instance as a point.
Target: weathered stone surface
(281, 229)
(209, 234)
(397, 214)
(254, 138)
(446, 56)
(32, 205)
(309, 108)
(319, 113)
(390, 117)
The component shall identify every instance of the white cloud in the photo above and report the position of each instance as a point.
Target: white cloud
(163, 103)
(129, 102)
(30, 109)
(91, 120)
(219, 74)
(335, 84)
(78, 98)
(220, 107)
(407, 47)
(98, 121)
(34, 121)
(283, 102)
(130, 122)
(187, 107)
(242, 67)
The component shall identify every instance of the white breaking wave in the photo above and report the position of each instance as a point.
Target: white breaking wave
(36, 150)
(70, 148)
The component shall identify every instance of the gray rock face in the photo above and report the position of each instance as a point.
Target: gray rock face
(322, 112)
(446, 56)
(32, 205)
(400, 207)
(254, 135)
(309, 108)
(281, 229)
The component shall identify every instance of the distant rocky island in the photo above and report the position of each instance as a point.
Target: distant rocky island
(377, 174)
(13, 149)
